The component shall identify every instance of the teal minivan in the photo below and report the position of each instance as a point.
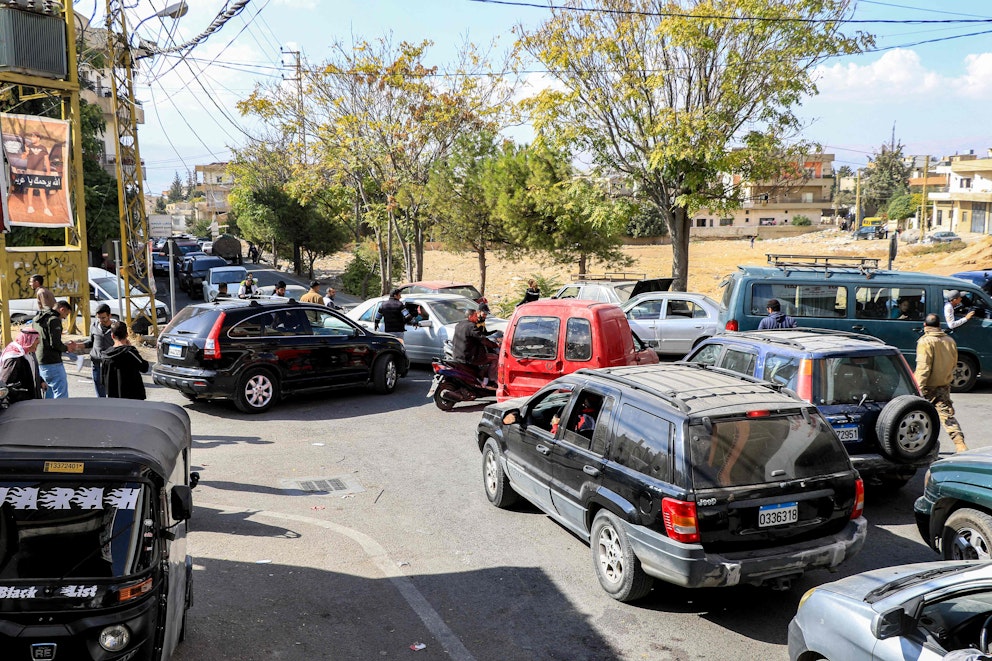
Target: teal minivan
(852, 294)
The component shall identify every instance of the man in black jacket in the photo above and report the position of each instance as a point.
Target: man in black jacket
(123, 366)
(469, 343)
(49, 325)
(393, 315)
(98, 343)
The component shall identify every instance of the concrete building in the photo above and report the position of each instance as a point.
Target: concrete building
(964, 203)
(214, 181)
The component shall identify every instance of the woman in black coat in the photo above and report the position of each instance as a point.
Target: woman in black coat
(123, 366)
(19, 367)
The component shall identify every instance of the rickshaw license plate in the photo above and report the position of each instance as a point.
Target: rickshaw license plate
(43, 651)
(778, 515)
(847, 433)
(175, 351)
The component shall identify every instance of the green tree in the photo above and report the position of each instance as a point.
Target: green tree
(902, 206)
(176, 189)
(886, 177)
(675, 95)
(160, 204)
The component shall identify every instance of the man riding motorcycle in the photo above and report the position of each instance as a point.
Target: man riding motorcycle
(469, 344)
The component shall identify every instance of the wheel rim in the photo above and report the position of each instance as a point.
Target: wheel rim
(492, 473)
(962, 374)
(390, 373)
(610, 555)
(913, 431)
(977, 541)
(258, 391)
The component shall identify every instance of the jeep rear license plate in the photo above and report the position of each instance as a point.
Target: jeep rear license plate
(847, 433)
(175, 351)
(777, 515)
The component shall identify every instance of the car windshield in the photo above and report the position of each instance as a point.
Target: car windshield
(851, 379)
(229, 277)
(109, 285)
(451, 312)
(74, 530)
(468, 291)
(207, 263)
(739, 452)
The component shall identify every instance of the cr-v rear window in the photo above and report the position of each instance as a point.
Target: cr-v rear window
(193, 321)
(849, 379)
(738, 452)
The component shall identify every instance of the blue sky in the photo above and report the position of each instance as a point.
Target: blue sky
(938, 95)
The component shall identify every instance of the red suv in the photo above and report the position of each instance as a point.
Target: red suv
(550, 337)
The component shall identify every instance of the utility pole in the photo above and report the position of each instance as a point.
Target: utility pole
(923, 202)
(857, 202)
(301, 134)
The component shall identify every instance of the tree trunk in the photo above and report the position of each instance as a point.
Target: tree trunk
(418, 246)
(583, 261)
(298, 260)
(482, 269)
(387, 275)
(678, 225)
(275, 256)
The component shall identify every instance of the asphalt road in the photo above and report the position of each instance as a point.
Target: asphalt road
(404, 549)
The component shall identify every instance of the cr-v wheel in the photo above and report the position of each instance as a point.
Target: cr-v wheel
(617, 567)
(257, 391)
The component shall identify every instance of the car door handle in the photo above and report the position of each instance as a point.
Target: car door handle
(590, 470)
(858, 327)
(543, 449)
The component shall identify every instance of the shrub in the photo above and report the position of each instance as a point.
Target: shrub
(937, 248)
(801, 221)
(361, 275)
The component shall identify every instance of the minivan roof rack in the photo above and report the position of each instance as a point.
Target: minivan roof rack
(610, 277)
(864, 265)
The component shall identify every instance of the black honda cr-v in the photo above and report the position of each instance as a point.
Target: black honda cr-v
(254, 352)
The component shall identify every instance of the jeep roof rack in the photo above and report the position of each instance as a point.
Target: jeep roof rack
(864, 265)
(609, 277)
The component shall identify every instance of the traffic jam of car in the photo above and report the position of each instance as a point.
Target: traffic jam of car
(743, 458)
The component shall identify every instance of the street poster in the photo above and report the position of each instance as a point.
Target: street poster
(37, 151)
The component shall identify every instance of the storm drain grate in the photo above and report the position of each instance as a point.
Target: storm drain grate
(337, 486)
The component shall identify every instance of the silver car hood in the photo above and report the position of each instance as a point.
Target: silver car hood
(858, 586)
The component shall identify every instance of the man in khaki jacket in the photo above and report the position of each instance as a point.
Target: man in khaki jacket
(936, 357)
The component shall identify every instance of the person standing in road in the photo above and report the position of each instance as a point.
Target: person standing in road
(329, 299)
(532, 293)
(313, 296)
(393, 315)
(279, 289)
(19, 367)
(936, 357)
(776, 318)
(98, 344)
(46, 299)
(953, 300)
(123, 366)
(50, 350)
(248, 288)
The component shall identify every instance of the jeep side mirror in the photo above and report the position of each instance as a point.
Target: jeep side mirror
(182, 502)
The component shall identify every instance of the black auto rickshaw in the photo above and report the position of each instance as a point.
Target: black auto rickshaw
(96, 495)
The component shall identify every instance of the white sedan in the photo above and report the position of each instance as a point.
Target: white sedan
(672, 322)
(440, 312)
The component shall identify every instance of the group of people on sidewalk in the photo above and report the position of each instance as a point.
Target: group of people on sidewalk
(31, 365)
(936, 359)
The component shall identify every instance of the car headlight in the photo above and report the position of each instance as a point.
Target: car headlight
(114, 638)
(809, 593)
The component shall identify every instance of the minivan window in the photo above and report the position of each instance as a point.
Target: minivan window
(194, 321)
(901, 303)
(760, 450)
(848, 379)
(535, 337)
(578, 339)
(642, 442)
(800, 300)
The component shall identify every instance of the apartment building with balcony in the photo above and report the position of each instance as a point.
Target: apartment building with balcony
(964, 203)
(214, 181)
(778, 202)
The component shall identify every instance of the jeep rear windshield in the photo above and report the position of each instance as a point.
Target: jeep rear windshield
(193, 321)
(853, 379)
(51, 530)
(739, 452)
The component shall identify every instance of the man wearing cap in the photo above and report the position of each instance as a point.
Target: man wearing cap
(936, 357)
(313, 296)
(248, 287)
(393, 315)
(953, 300)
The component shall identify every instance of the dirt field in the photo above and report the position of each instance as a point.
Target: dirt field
(709, 261)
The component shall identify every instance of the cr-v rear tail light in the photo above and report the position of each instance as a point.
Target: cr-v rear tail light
(804, 384)
(211, 348)
(859, 499)
(680, 520)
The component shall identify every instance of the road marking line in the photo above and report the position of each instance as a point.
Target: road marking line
(417, 602)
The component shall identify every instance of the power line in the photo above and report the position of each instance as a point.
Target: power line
(227, 12)
(943, 12)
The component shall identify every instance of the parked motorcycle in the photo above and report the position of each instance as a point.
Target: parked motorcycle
(458, 382)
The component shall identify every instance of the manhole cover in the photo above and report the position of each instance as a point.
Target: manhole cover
(338, 486)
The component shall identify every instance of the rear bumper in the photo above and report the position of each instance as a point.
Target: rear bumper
(689, 565)
(872, 463)
(203, 383)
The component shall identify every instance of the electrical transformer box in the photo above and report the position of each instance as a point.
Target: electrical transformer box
(32, 43)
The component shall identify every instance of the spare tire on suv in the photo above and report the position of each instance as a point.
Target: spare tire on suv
(908, 428)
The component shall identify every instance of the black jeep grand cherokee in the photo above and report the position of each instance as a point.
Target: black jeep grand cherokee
(679, 472)
(254, 352)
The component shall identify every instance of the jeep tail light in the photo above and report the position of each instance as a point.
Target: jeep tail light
(732, 325)
(859, 499)
(680, 520)
(211, 348)
(912, 374)
(804, 384)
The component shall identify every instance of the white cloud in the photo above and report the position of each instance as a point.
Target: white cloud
(977, 79)
(896, 75)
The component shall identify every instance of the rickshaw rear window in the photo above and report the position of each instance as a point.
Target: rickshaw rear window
(53, 530)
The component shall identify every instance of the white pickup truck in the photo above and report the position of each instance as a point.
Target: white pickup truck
(103, 289)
